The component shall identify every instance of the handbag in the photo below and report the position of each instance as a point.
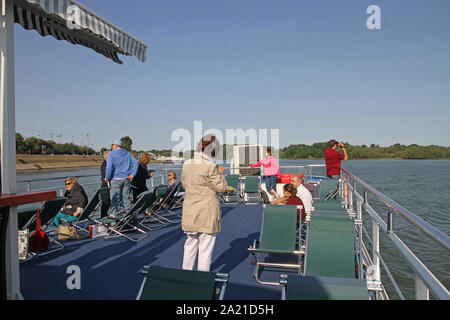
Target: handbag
(39, 240)
(67, 232)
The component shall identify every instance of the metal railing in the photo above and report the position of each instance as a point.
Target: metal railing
(356, 203)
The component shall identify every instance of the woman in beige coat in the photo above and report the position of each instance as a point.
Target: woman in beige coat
(201, 179)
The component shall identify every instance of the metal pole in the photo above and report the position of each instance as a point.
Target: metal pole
(422, 292)
(8, 143)
(376, 250)
(359, 220)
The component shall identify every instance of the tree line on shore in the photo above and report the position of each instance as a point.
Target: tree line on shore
(33, 145)
(396, 151)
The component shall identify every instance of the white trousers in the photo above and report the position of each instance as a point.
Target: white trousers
(201, 243)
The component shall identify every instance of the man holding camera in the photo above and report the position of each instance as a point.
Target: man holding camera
(333, 159)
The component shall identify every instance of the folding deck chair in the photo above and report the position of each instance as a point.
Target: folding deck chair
(330, 267)
(233, 180)
(329, 189)
(160, 211)
(100, 196)
(122, 222)
(176, 284)
(322, 288)
(252, 189)
(49, 209)
(278, 235)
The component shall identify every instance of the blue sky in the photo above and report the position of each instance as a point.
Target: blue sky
(311, 69)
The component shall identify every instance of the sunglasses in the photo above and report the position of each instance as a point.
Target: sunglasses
(68, 183)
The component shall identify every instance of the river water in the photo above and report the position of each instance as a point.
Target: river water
(421, 186)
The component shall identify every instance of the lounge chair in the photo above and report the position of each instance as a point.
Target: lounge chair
(49, 209)
(100, 196)
(233, 180)
(330, 247)
(176, 284)
(122, 222)
(329, 189)
(252, 189)
(278, 236)
(160, 211)
(322, 288)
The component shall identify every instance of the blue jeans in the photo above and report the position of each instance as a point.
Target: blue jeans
(120, 193)
(271, 183)
(63, 216)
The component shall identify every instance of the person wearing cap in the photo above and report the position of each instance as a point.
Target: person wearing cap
(333, 159)
(121, 167)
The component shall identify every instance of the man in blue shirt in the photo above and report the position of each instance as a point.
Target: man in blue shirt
(121, 167)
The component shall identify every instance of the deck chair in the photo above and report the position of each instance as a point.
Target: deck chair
(86, 217)
(233, 180)
(278, 235)
(252, 189)
(123, 222)
(329, 189)
(176, 284)
(178, 198)
(49, 209)
(330, 248)
(160, 211)
(322, 288)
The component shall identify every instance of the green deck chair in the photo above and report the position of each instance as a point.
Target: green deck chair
(322, 288)
(100, 195)
(328, 189)
(49, 210)
(233, 180)
(123, 222)
(278, 235)
(330, 247)
(252, 188)
(176, 284)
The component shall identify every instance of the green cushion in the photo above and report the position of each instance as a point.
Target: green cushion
(325, 288)
(279, 229)
(331, 247)
(251, 184)
(50, 209)
(233, 180)
(175, 284)
(330, 213)
(327, 185)
(328, 205)
(23, 216)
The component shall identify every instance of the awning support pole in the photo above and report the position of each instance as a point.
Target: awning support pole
(8, 143)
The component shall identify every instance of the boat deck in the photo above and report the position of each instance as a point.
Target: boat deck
(111, 269)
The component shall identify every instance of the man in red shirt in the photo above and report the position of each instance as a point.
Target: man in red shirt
(333, 159)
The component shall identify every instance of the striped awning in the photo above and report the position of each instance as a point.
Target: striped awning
(70, 21)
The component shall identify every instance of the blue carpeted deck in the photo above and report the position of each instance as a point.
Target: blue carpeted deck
(110, 269)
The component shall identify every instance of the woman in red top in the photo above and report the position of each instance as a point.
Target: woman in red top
(290, 198)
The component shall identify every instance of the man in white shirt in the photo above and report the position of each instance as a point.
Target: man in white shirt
(302, 192)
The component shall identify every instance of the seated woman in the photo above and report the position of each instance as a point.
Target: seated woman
(75, 203)
(172, 178)
(290, 198)
(139, 182)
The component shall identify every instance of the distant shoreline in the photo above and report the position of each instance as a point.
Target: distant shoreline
(33, 163)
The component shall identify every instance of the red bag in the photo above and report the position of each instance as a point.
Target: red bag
(39, 241)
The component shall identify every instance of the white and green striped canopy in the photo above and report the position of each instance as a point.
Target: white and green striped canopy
(68, 20)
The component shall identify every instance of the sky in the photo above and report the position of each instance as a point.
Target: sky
(311, 69)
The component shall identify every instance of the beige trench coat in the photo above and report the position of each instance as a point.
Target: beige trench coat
(201, 208)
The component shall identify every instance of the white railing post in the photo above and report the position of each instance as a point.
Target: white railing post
(376, 251)
(422, 291)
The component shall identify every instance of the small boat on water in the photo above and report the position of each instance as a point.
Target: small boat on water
(331, 255)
